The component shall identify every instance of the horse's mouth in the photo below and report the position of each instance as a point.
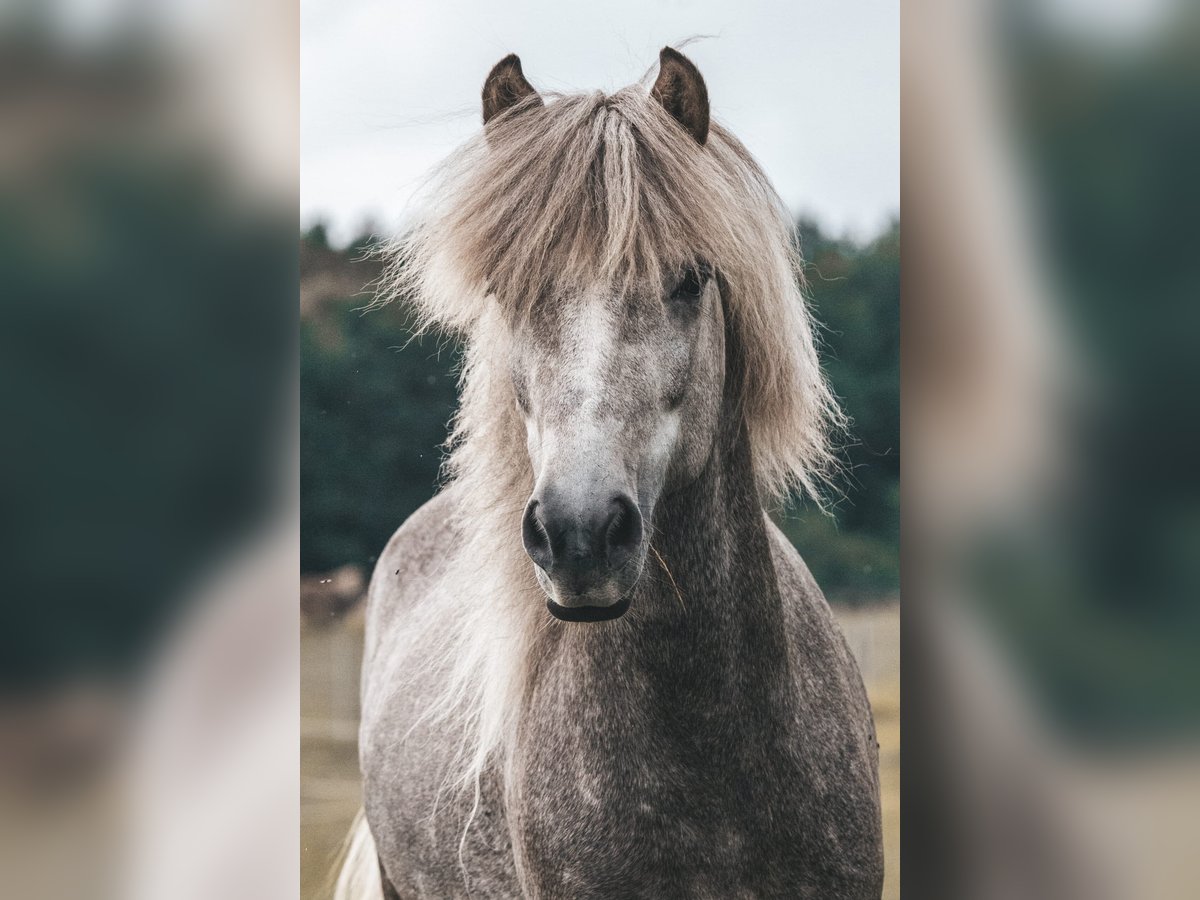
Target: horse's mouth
(589, 602)
(589, 613)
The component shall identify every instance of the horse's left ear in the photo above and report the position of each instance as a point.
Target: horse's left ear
(506, 86)
(681, 91)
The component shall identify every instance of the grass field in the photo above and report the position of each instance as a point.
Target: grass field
(885, 703)
(329, 790)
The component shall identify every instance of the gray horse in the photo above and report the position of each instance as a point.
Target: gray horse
(594, 667)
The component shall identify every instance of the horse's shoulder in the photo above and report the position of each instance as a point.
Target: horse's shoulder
(790, 568)
(816, 638)
(421, 543)
(415, 556)
(836, 705)
(802, 596)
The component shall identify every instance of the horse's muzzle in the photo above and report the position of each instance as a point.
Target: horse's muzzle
(580, 540)
(588, 552)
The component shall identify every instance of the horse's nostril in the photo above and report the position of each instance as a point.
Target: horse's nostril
(535, 537)
(580, 543)
(624, 531)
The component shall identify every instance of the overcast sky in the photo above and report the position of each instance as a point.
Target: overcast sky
(389, 87)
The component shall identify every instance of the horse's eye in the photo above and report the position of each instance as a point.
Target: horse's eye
(691, 285)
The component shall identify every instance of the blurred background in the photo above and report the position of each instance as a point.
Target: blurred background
(148, 641)
(149, 498)
(811, 88)
(1051, 301)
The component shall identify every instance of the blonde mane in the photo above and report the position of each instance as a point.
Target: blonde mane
(608, 188)
(589, 188)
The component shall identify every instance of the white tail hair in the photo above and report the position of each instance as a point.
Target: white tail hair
(359, 878)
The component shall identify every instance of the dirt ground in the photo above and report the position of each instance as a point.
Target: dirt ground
(329, 790)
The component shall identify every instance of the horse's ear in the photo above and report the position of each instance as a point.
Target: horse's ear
(505, 87)
(681, 91)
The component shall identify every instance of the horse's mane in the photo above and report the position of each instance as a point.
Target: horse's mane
(595, 187)
(590, 188)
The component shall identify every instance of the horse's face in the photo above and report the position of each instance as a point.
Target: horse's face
(620, 396)
(619, 389)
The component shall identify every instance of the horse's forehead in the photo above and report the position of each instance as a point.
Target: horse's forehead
(569, 317)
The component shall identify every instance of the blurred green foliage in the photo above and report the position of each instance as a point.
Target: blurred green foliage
(375, 403)
(1101, 603)
(146, 327)
(853, 548)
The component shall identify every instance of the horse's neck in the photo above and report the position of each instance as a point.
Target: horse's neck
(711, 587)
(710, 541)
(711, 538)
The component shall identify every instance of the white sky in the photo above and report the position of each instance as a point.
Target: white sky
(389, 87)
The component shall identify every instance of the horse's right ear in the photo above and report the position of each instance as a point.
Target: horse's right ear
(680, 89)
(505, 87)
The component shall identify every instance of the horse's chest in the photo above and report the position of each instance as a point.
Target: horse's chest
(660, 831)
(662, 818)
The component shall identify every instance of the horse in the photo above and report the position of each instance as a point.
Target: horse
(594, 666)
